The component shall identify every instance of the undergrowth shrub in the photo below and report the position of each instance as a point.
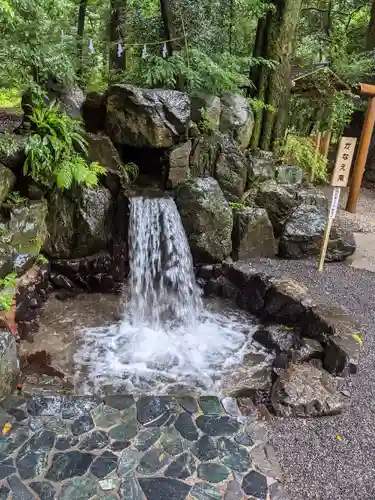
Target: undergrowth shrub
(7, 291)
(56, 150)
(296, 150)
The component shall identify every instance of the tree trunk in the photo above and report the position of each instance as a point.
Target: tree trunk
(275, 41)
(80, 33)
(117, 62)
(231, 17)
(370, 41)
(169, 10)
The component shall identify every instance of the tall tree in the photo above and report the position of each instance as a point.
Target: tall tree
(117, 53)
(274, 41)
(370, 40)
(80, 32)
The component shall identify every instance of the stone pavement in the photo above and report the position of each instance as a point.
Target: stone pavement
(155, 448)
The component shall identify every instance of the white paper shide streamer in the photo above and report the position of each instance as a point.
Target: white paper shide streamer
(91, 47)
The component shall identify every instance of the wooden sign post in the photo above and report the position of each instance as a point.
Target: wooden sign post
(340, 179)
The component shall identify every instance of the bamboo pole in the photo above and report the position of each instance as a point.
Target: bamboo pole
(326, 143)
(317, 148)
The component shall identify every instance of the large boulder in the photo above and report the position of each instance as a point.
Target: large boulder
(7, 181)
(80, 224)
(27, 226)
(303, 235)
(102, 150)
(252, 234)
(146, 118)
(231, 169)
(9, 366)
(94, 111)
(206, 107)
(254, 374)
(219, 156)
(237, 118)
(207, 219)
(277, 201)
(312, 196)
(289, 174)
(306, 390)
(179, 161)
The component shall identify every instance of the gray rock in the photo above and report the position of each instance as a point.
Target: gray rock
(179, 158)
(28, 227)
(303, 234)
(277, 201)
(7, 181)
(102, 150)
(305, 390)
(14, 158)
(236, 118)
(313, 197)
(211, 106)
(289, 174)
(260, 170)
(231, 168)
(252, 375)
(252, 234)
(81, 224)
(207, 219)
(9, 366)
(141, 117)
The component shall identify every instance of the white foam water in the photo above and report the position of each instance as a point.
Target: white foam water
(166, 339)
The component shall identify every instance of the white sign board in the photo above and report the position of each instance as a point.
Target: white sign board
(344, 161)
(335, 202)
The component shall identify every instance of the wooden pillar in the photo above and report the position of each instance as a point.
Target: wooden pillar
(360, 163)
(326, 143)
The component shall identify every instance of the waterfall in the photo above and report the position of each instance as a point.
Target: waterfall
(162, 282)
(166, 340)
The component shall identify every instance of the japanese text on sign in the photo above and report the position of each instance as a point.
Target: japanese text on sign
(334, 203)
(344, 160)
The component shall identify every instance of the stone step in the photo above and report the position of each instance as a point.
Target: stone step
(124, 447)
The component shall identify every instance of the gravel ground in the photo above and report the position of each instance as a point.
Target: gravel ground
(317, 465)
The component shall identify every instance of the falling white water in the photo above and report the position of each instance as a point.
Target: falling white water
(166, 340)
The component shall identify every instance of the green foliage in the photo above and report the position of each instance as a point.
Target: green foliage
(56, 151)
(14, 198)
(132, 170)
(10, 98)
(8, 146)
(300, 151)
(7, 290)
(236, 206)
(42, 259)
(206, 124)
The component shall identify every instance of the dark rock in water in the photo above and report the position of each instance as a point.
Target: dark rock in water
(186, 427)
(220, 287)
(64, 443)
(252, 234)
(96, 440)
(213, 425)
(82, 424)
(277, 201)
(303, 235)
(69, 464)
(7, 181)
(161, 488)
(172, 441)
(205, 449)
(210, 405)
(81, 225)
(205, 491)
(146, 118)
(236, 118)
(44, 490)
(275, 337)
(150, 408)
(152, 461)
(306, 391)
(104, 465)
(252, 375)
(19, 490)
(213, 472)
(146, 438)
(207, 219)
(61, 281)
(233, 455)
(94, 111)
(79, 487)
(120, 402)
(77, 406)
(255, 484)
(182, 467)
